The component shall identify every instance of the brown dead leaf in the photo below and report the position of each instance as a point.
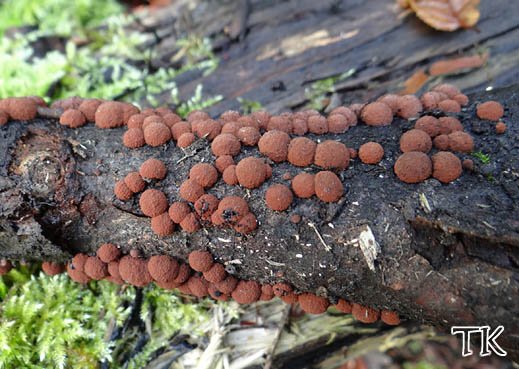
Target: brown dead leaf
(450, 66)
(447, 15)
(414, 83)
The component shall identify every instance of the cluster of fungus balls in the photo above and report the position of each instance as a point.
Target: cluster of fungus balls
(201, 277)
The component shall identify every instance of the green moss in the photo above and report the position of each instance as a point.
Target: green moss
(319, 91)
(484, 158)
(423, 365)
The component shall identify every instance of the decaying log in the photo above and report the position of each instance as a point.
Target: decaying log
(441, 254)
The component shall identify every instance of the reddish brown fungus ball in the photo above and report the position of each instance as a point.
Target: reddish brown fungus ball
(249, 136)
(163, 268)
(197, 115)
(299, 126)
(328, 187)
(447, 89)
(88, 107)
(317, 124)
(490, 110)
(313, 304)
(152, 119)
(449, 106)
(153, 169)
(162, 225)
(390, 100)
(78, 262)
(232, 209)
(301, 151)
(343, 306)
(22, 108)
(337, 123)
(178, 211)
(121, 191)
(446, 166)
(134, 182)
(429, 125)
(267, 293)
(274, 145)
(190, 223)
(246, 224)
(108, 252)
(413, 167)
(441, 142)
(4, 117)
(157, 134)
(95, 268)
(208, 128)
(278, 197)
(377, 114)
(109, 114)
(222, 162)
(371, 153)
(430, 100)
(303, 185)
(49, 268)
(200, 261)
(251, 172)
(134, 271)
(348, 113)
(229, 175)
(77, 275)
(216, 273)
(246, 292)
(332, 155)
(279, 123)
(153, 202)
(205, 206)
(282, 289)
(390, 317)
(449, 125)
(232, 128)
(226, 144)
(229, 116)
(461, 142)
(227, 285)
(204, 174)
(365, 314)
(409, 106)
(262, 118)
(72, 118)
(178, 129)
(186, 139)
(500, 128)
(190, 190)
(415, 140)
(133, 138)
(198, 286)
(461, 99)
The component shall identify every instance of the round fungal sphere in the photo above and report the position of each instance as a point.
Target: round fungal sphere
(226, 144)
(190, 190)
(186, 139)
(184, 272)
(215, 294)
(109, 114)
(349, 114)
(133, 138)
(301, 151)
(274, 145)
(153, 169)
(108, 252)
(390, 317)
(163, 268)
(153, 202)
(178, 129)
(162, 225)
(490, 110)
(447, 89)
(232, 209)
(343, 306)
(229, 116)
(157, 134)
(428, 124)
(377, 114)
(121, 191)
(152, 119)
(170, 119)
(430, 100)
(134, 271)
(78, 262)
(290, 299)
(282, 289)
(246, 224)
(190, 223)
(251, 172)
(72, 118)
(390, 100)
(328, 187)
(197, 115)
(232, 128)
(229, 175)
(332, 155)
(413, 167)
(95, 268)
(337, 123)
(249, 136)
(449, 125)
(446, 166)
(468, 164)
(415, 140)
(357, 109)
(208, 128)
(303, 185)
(313, 304)
(246, 292)
(299, 126)
(200, 261)
(205, 206)
(262, 118)
(198, 286)
(317, 124)
(113, 269)
(409, 106)
(441, 142)
(371, 153)
(88, 107)
(216, 274)
(279, 123)
(134, 182)
(178, 211)
(77, 275)
(461, 99)
(128, 111)
(222, 162)
(267, 293)
(22, 108)
(449, 106)
(50, 268)
(364, 314)
(278, 197)
(500, 128)
(204, 174)
(136, 121)
(461, 142)
(227, 285)
(4, 117)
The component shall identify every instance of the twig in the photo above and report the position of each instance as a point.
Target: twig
(269, 359)
(312, 225)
